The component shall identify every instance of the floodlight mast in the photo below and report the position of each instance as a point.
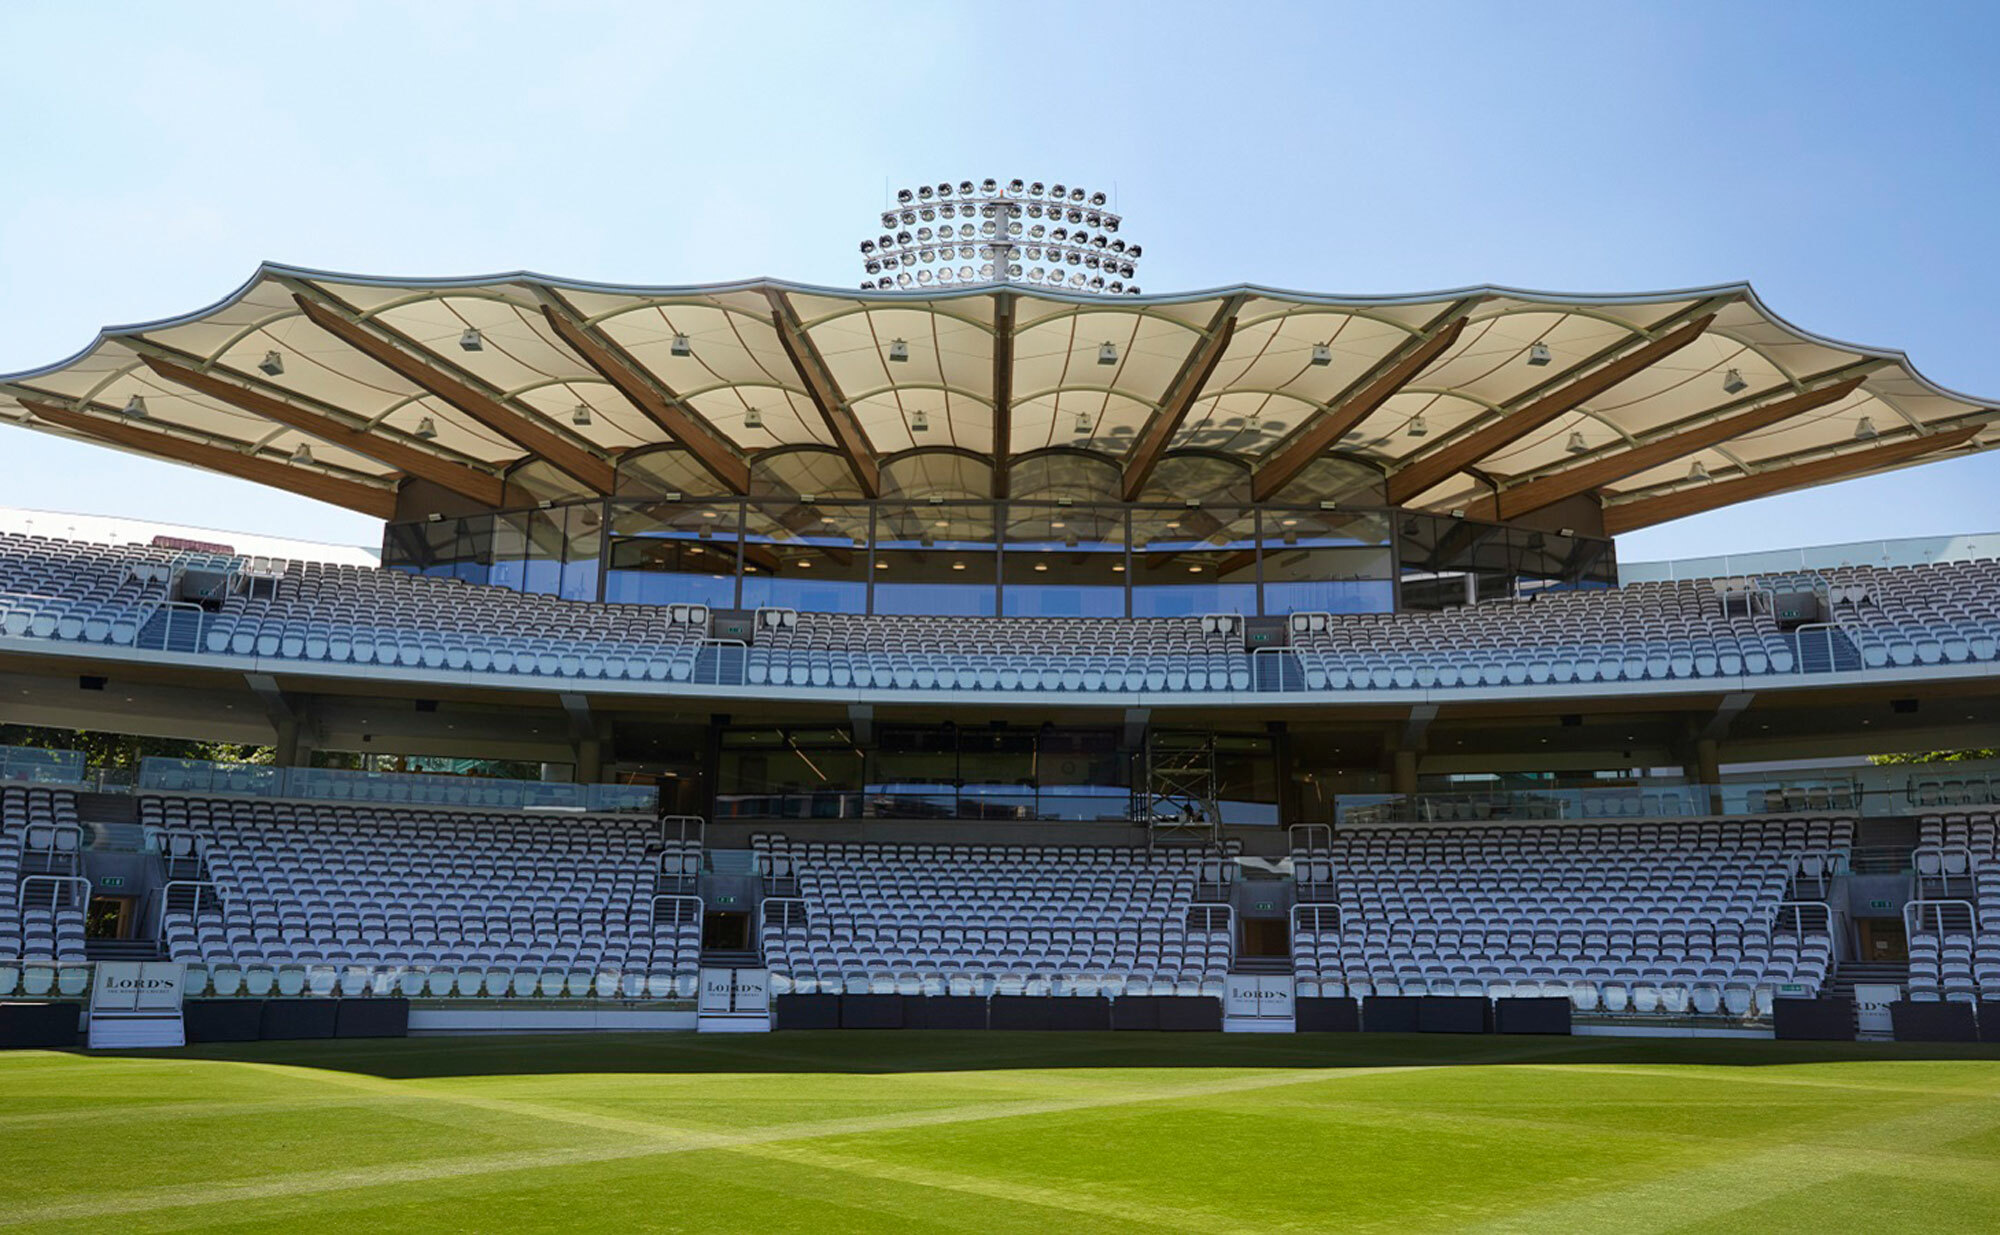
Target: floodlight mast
(1054, 235)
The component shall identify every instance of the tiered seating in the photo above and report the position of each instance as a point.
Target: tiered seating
(350, 613)
(1940, 613)
(66, 589)
(429, 902)
(1646, 916)
(1955, 954)
(979, 920)
(314, 611)
(1647, 631)
(39, 835)
(1047, 654)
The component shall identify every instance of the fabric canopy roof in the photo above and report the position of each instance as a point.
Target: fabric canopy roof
(1491, 400)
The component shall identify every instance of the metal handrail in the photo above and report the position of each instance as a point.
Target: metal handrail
(1914, 910)
(1310, 830)
(1941, 852)
(1799, 910)
(1278, 686)
(742, 668)
(166, 894)
(1317, 909)
(763, 915)
(653, 909)
(682, 826)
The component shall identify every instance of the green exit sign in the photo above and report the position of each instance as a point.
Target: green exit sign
(1878, 904)
(725, 900)
(111, 881)
(1264, 905)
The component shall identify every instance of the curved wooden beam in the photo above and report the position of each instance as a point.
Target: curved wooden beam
(653, 398)
(840, 419)
(484, 488)
(353, 494)
(1455, 457)
(1646, 511)
(1522, 499)
(1337, 419)
(574, 461)
(1181, 394)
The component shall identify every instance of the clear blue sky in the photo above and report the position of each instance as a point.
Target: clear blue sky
(1839, 156)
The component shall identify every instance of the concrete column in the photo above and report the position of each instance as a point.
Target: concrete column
(287, 749)
(1403, 771)
(1706, 768)
(589, 760)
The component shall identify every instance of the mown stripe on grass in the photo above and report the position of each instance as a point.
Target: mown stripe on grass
(1752, 1176)
(644, 1140)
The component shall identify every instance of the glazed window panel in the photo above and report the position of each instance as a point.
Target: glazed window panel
(1064, 561)
(810, 556)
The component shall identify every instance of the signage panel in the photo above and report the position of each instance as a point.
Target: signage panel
(1871, 1005)
(734, 990)
(138, 987)
(1258, 995)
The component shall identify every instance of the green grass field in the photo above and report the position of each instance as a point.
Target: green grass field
(827, 1132)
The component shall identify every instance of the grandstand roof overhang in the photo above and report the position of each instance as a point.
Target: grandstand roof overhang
(1521, 399)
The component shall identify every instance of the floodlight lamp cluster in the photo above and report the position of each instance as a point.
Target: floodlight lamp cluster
(1055, 235)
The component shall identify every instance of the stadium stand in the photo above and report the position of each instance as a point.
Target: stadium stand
(1649, 631)
(1647, 916)
(1954, 946)
(459, 903)
(1646, 630)
(1939, 613)
(993, 920)
(41, 912)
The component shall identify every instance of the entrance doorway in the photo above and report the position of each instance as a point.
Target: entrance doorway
(109, 917)
(1883, 940)
(1267, 937)
(724, 931)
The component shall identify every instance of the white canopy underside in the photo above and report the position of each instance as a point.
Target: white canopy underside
(737, 375)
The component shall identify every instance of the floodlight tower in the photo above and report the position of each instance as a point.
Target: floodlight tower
(946, 235)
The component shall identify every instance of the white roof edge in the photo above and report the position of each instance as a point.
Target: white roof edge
(268, 270)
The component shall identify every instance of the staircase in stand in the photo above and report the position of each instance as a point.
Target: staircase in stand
(1262, 964)
(1849, 974)
(122, 950)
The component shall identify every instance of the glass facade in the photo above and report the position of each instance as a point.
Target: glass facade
(1033, 556)
(980, 773)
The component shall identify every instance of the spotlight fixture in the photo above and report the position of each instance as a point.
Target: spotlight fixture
(427, 429)
(1697, 473)
(899, 351)
(303, 454)
(1417, 426)
(1539, 354)
(753, 418)
(1577, 445)
(471, 341)
(1107, 353)
(920, 421)
(1732, 381)
(581, 415)
(272, 364)
(136, 406)
(680, 346)
(1322, 354)
(1864, 429)
(983, 234)
(1083, 423)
